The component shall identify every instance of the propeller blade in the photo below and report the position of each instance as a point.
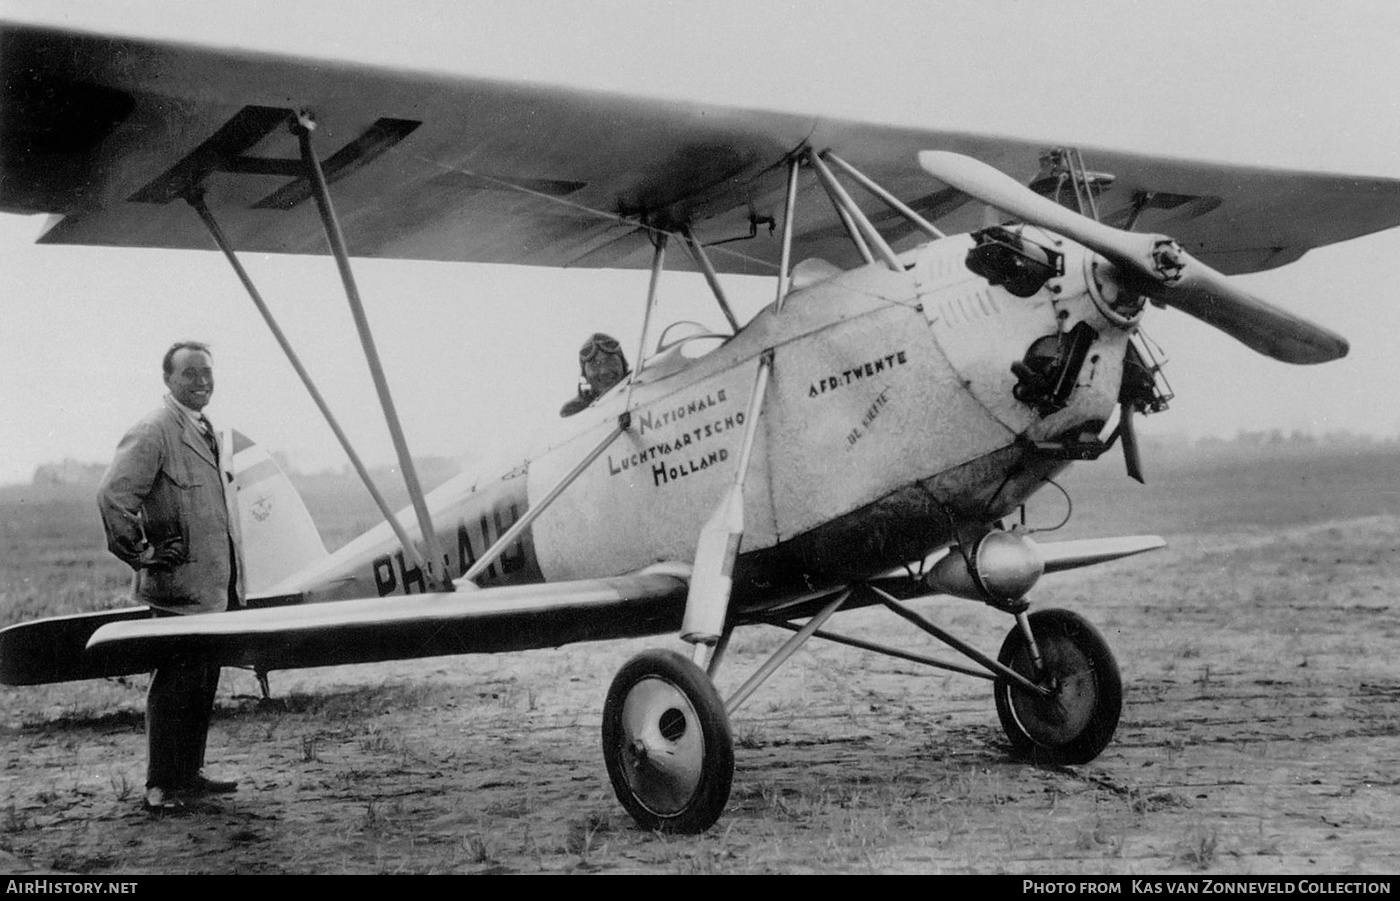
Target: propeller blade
(1155, 265)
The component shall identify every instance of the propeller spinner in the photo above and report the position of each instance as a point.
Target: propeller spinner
(1151, 265)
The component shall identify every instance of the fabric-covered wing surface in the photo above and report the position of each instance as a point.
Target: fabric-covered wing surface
(110, 132)
(399, 628)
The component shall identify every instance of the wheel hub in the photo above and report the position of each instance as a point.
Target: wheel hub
(666, 756)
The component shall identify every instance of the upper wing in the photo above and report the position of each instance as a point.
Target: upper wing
(398, 628)
(109, 132)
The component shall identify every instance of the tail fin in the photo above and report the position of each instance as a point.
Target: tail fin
(279, 537)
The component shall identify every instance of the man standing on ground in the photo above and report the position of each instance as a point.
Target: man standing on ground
(167, 506)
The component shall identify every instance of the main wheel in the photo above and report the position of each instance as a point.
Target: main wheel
(1077, 721)
(667, 743)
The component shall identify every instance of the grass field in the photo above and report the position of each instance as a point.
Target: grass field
(1259, 736)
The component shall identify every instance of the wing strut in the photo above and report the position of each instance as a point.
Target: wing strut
(859, 227)
(712, 576)
(437, 573)
(785, 258)
(852, 213)
(658, 263)
(697, 253)
(623, 423)
(712, 579)
(890, 200)
(195, 199)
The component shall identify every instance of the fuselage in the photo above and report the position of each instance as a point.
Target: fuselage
(891, 421)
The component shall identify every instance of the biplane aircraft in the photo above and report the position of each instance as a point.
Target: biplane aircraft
(956, 319)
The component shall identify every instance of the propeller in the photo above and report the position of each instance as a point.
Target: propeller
(1151, 265)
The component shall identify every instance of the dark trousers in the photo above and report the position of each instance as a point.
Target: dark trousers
(179, 705)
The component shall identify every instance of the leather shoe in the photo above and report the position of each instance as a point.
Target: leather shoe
(203, 785)
(162, 800)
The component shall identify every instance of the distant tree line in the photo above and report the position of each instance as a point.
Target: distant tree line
(1299, 439)
(69, 472)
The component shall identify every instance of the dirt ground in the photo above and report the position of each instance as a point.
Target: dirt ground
(1259, 736)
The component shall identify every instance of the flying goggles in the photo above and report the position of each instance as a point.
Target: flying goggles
(596, 344)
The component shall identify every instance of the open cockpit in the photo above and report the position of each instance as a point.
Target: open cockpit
(681, 343)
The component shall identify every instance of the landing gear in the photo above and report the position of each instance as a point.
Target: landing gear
(1077, 720)
(666, 737)
(667, 743)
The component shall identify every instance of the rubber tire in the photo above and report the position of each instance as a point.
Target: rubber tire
(662, 671)
(1039, 729)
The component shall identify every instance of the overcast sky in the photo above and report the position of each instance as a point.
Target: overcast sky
(476, 354)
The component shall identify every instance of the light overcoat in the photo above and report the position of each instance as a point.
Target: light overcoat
(164, 486)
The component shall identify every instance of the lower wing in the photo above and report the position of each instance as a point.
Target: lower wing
(510, 618)
(513, 618)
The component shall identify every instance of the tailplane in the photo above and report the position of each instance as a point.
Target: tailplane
(279, 537)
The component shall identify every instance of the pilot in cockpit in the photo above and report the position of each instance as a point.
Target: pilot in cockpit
(602, 366)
